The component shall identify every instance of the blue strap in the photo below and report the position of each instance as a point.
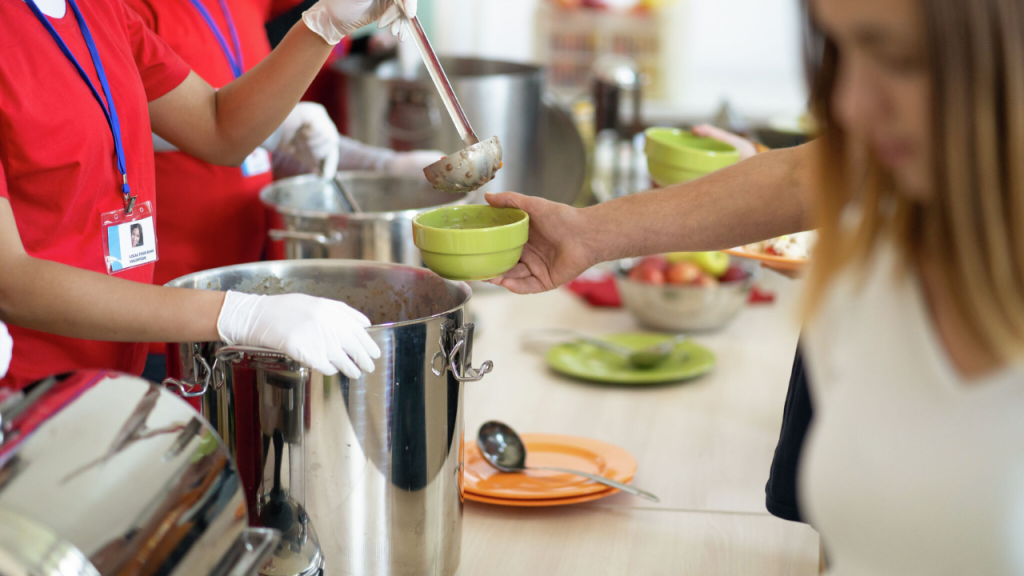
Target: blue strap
(234, 57)
(106, 101)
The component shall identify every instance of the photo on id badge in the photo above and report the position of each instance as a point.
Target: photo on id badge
(131, 244)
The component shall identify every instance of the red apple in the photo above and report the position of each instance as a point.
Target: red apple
(733, 274)
(683, 273)
(648, 276)
(707, 281)
(653, 263)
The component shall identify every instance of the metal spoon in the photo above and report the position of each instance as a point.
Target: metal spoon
(477, 163)
(353, 206)
(644, 359)
(503, 449)
(653, 355)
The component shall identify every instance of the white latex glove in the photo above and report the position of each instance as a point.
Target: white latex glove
(325, 335)
(334, 19)
(412, 163)
(354, 155)
(308, 135)
(6, 349)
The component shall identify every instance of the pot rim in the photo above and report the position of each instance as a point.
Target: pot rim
(388, 216)
(464, 287)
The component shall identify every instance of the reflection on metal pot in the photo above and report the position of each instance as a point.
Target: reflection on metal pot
(103, 473)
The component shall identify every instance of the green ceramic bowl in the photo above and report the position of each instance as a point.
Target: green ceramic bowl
(667, 175)
(683, 150)
(476, 242)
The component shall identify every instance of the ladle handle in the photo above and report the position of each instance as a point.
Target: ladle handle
(444, 88)
(602, 480)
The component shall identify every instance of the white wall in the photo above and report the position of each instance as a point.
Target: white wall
(746, 51)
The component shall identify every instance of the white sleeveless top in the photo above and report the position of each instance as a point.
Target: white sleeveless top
(908, 470)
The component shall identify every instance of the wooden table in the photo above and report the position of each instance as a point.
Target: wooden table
(704, 448)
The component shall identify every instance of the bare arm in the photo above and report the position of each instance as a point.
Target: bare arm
(763, 197)
(68, 301)
(224, 126)
(759, 198)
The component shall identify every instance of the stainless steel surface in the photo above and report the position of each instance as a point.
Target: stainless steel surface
(103, 473)
(649, 357)
(562, 157)
(385, 108)
(468, 169)
(685, 308)
(351, 204)
(440, 79)
(477, 163)
(308, 218)
(373, 465)
(617, 84)
(503, 449)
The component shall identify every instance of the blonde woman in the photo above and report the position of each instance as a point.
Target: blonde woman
(915, 333)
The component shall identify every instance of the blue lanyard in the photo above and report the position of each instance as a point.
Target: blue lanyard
(109, 110)
(234, 57)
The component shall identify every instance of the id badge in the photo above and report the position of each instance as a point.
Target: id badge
(128, 241)
(256, 163)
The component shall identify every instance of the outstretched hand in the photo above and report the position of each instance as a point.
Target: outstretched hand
(557, 250)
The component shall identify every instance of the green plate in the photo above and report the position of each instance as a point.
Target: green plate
(587, 362)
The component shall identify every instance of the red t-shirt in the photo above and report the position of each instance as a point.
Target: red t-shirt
(210, 216)
(57, 162)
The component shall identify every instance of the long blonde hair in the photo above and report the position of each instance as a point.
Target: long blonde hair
(974, 225)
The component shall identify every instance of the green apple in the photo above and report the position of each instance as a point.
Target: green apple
(713, 263)
(677, 257)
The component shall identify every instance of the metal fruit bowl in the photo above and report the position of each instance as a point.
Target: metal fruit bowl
(673, 308)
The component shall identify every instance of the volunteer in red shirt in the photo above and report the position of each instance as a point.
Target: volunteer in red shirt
(83, 84)
(221, 39)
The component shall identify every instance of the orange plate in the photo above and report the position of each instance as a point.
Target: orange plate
(572, 452)
(777, 262)
(540, 503)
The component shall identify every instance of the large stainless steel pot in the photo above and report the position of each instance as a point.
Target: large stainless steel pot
(383, 108)
(307, 219)
(370, 468)
(106, 474)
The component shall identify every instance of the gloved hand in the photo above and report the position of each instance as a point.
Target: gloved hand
(325, 335)
(354, 155)
(413, 162)
(6, 349)
(308, 135)
(334, 19)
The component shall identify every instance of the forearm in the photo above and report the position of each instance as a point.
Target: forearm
(226, 125)
(67, 301)
(763, 197)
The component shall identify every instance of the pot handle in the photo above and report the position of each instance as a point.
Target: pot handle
(187, 388)
(335, 237)
(459, 360)
(247, 554)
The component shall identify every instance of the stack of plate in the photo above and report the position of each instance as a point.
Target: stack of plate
(483, 483)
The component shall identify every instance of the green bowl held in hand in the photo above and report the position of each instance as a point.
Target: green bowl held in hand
(476, 242)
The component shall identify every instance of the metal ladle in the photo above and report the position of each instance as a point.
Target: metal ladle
(504, 449)
(477, 163)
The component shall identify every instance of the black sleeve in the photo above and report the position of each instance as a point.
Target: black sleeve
(781, 492)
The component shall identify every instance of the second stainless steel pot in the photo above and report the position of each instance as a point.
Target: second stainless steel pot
(363, 476)
(384, 108)
(307, 218)
(106, 474)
